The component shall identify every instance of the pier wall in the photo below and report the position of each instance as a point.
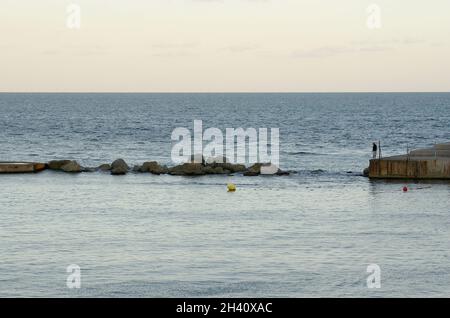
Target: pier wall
(404, 168)
(21, 167)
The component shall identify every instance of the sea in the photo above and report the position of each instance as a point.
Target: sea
(323, 231)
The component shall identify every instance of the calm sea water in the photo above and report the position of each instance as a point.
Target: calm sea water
(312, 233)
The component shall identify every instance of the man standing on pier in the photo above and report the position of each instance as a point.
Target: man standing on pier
(374, 150)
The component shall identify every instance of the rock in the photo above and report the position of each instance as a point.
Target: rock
(104, 167)
(366, 172)
(154, 168)
(187, 169)
(72, 167)
(215, 170)
(220, 170)
(57, 164)
(119, 171)
(220, 165)
(136, 168)
(231, 167)
(254, 170)
(282, 173)
(216, 160)
(271, 169)
(40, 166)
(209, 170)
(119, 163)
(119, 167)
(223, 162)
(88, 169)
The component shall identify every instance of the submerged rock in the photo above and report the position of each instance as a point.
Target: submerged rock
(119, 167)
(153, 167)
(72, 167)
(187, 169)
(57, 164)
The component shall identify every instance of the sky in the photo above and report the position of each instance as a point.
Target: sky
(225, 46)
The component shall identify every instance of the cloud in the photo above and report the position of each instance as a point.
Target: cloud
(240, 48)
(324, 52)
(365, 46)
(174, 45)
(391, 42)
(74, 49)
(174, 49)
(320, 52)
(173, 54)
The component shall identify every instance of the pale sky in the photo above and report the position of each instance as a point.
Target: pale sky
(224, 46)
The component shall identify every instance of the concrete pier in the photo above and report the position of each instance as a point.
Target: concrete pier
(21, 167)
(429, 163)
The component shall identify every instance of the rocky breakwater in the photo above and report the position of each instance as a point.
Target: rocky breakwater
(223, 166)
(210, 166)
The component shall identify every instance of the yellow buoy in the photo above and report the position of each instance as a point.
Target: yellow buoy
(231, 187)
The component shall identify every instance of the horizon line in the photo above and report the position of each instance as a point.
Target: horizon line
(227, 92)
